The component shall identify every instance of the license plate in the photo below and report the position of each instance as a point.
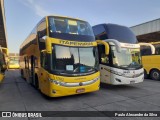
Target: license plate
(80, 90)
(132, 82)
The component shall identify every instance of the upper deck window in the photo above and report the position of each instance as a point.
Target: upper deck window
(69, 26)
(121, 33)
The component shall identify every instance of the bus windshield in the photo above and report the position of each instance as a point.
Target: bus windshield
(128, 58)
(69, 26)
(74, 60)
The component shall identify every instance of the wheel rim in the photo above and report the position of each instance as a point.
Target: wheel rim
(156, 75)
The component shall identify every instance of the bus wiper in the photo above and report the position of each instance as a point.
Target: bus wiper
(76, 69)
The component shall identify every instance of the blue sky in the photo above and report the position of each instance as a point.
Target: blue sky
(23, 15)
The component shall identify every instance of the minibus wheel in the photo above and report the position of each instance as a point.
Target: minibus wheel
(155, 75)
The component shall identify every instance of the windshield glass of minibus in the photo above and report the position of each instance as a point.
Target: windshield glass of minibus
(70, 60)
(127, 58)
(69, 26)
(157, 46)
(11, 62)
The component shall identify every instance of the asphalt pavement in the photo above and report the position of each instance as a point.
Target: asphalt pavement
(17, 95)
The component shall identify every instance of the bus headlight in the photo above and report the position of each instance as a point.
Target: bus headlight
(56, 82)
(96, 79)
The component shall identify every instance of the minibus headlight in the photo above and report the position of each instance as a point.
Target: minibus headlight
(56, 82)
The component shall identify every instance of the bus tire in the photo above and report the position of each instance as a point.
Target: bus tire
(155, 74)
(145, 74)
(36, 82)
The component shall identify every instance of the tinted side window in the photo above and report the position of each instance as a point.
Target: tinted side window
(26, 62)
(157, 47)
(145, 50)
(100, 32)
(42, 29)
(42, 33)
(121, 33)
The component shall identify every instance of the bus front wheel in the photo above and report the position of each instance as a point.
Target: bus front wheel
(155, 75)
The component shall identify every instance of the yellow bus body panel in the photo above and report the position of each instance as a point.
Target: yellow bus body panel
(151, 62)
(65, 91)
(1, 77)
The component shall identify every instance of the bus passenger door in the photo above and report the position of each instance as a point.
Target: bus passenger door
(105, 69)
(104, 64)
(27, 69)
(32, 72)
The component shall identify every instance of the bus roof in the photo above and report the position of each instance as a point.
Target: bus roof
(114, 31)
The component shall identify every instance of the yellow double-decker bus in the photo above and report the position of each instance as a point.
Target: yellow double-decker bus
(60, 58)
(3, 61)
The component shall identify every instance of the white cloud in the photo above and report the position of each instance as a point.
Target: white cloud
(39, 10)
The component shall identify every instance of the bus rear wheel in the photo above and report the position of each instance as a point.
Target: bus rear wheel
(155, 75)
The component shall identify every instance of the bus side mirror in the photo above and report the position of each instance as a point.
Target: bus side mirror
(105, 44)
(106, 50)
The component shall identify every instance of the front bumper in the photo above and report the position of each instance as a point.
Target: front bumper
(57, 91)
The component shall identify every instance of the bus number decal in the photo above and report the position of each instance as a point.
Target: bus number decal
(73, 43)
